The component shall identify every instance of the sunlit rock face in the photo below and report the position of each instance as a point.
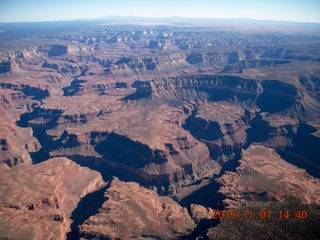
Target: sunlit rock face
(264, 176)
(37, 200)
(127, 203)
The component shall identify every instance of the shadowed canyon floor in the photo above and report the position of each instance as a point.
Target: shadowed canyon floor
(152, 127)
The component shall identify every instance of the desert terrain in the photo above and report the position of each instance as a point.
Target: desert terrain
(139, 130)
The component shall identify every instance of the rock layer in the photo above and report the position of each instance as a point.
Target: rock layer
(131, 211)
(15, 142)
(36, 201)
(264, 176)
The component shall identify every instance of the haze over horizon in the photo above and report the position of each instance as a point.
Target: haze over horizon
(280, 10)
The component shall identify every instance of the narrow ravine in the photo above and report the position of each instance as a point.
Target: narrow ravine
(88, 206)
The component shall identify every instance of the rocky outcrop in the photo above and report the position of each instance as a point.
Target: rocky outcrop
(264, 176)
(273, 131)
(165, 64)
(201, 87)
(132, 211)
(297, 142)
(36, 201)
(36, 93)
(77, 88)
(16, 60)
(230, 61)
(222, 127)
(239, 66)
(199, 212)
(214, 60)
(143, 90)
(15, 145)
(15, 142)
(73, 89)
(158, 167)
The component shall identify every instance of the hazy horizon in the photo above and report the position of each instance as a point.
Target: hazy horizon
(282, 10)
(138, 18)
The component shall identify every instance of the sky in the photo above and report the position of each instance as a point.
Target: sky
(51, 10)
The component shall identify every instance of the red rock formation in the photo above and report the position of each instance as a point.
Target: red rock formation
(15, 142)
(222, 126)
(131, 211)
(199, 212)
(264, 176)
(36, 201)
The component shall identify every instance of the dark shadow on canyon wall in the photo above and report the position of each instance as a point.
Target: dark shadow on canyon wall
(88, 206)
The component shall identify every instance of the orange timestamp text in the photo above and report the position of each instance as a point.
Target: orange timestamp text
(260, 214)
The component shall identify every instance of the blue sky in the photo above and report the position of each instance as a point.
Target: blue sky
(47, 10)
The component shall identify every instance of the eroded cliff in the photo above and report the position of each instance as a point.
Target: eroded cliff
(131, 211)
(37, 200)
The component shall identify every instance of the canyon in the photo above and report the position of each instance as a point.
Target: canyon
(152, 127)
